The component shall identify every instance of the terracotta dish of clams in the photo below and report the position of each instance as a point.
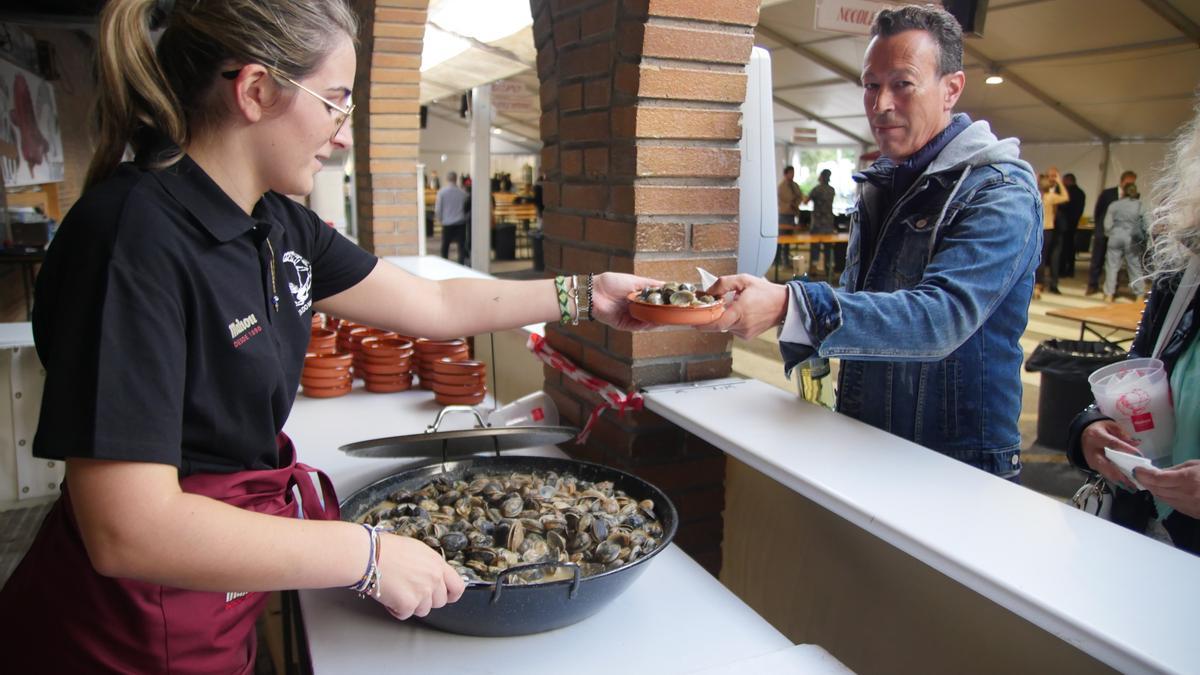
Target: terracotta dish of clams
(675, 304)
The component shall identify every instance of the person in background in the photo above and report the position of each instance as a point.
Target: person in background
(1125, 229)
(1099, 241)
(822, 197)
(1067, 224)
(943, 244)
(790, 197)
(452, 210)
(434, 182)
(1169, 508)
(172, 317)
(1054, 193)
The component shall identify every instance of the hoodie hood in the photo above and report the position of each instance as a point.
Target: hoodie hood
(977, 146)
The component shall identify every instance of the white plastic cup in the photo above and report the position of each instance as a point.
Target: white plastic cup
(1137, 394)
(536, 409)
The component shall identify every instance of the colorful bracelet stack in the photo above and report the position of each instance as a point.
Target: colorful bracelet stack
(572, 297)
(371, 579)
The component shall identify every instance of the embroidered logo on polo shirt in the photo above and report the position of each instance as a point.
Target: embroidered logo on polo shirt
(242, 330)
(299, 273)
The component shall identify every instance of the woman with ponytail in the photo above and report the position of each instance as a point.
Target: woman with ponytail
(172, 317)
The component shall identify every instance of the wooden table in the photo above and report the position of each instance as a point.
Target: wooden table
(1117, 318)
(809, 238)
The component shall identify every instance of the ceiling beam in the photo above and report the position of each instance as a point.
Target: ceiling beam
(1040, 95)
(1176, 18)
(458, 121)
(821, 120)
(814, 83)
(841, 70)
(1099, 51)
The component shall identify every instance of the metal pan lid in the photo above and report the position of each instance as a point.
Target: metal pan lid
(461, 442)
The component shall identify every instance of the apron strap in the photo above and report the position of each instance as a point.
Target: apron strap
(324, 507)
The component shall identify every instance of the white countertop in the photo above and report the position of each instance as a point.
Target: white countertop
(674, 603)
(1061, 569)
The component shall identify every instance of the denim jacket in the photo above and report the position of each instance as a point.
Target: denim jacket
(928, 328)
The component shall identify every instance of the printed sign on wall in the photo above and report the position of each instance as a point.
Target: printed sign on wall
(31, 150)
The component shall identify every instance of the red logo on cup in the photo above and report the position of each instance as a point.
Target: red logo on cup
(1133, 402)
(1142, 422)
(538, 415)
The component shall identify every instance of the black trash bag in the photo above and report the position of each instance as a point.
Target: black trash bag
(1072, 357)
(1064, 392)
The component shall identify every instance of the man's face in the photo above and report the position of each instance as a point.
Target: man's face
(788, 174)
(1127, 179)
(1069, 181)
(907, 103)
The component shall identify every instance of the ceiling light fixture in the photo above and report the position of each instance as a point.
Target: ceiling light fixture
(993, 77)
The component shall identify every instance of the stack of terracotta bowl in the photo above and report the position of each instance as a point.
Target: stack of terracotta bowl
(326, 375)
(458, 382)
(357, 335)
(384, 363)
(322, 341)
(429, 351)
(343, 334)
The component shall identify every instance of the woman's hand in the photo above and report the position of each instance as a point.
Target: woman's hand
(1107, 433)
(413, 577)
(1178, 486)
(610, 303)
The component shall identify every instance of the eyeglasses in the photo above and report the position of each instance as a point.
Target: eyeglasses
(342, 114)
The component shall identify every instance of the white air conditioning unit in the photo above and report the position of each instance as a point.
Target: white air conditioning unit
(758, 217)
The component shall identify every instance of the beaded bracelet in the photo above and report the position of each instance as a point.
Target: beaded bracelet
(369, 583)
(560, 285)
(588, 311)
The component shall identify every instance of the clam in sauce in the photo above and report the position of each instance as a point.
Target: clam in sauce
(676, 294)
(489, 522)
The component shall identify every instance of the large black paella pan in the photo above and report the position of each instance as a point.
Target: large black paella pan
(512, 606)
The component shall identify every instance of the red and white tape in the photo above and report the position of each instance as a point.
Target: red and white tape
(610, 395)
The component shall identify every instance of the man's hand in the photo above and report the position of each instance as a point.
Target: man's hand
(1178, 486)
(759, 305)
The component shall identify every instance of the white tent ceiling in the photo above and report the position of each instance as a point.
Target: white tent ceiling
(1075, 70)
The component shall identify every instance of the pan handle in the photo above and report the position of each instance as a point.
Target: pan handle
(499, 584)
(454, 409)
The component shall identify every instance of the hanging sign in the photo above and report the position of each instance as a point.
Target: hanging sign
(802, 135)
(512, 97)
(848, 16)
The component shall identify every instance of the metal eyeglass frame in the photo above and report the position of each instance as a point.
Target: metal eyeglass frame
(343, 113)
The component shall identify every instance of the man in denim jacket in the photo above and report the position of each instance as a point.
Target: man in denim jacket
(939, 272)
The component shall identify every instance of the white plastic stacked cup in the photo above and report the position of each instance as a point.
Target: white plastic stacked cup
(1137, 394)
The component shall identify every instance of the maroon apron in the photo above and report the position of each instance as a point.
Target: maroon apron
(58, 615)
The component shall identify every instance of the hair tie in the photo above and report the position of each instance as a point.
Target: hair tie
(161, 13)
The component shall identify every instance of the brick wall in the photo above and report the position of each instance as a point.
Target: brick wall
(640, 126)
(387, 131)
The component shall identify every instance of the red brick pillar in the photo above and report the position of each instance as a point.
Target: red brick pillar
(640, 125)
(387, 133)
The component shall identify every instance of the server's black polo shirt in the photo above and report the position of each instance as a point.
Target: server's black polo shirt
(157, 326)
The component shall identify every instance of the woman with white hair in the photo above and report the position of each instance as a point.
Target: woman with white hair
(1169, 507)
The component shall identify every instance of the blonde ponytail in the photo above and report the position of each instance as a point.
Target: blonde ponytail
(134, 96)
(151, 95)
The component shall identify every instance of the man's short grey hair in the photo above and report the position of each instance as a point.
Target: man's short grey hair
(940, 24)
(452, 177)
